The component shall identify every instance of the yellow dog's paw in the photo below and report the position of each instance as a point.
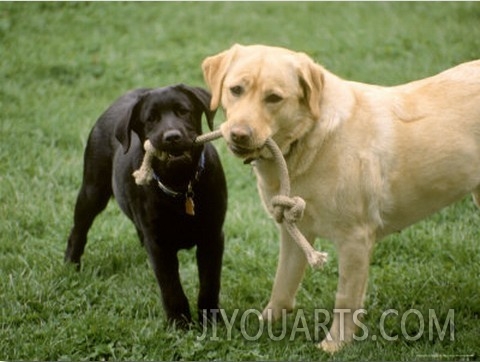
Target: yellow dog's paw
(330, 346)
(273, 314)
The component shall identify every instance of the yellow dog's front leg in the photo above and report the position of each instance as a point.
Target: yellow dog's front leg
(290, 271)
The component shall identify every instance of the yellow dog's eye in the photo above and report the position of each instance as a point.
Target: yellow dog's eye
(236, 90)
(273, 98)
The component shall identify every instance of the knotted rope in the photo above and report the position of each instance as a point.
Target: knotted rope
(286, 209)
(290, 209)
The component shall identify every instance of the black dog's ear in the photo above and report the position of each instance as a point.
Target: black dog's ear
(127, 113)
(203, 97)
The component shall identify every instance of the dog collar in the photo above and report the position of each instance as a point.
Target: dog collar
(189, 193)
(164, 188)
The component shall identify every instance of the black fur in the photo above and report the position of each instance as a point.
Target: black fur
(170, 118)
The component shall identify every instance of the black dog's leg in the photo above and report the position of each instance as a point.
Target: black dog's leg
(209, 262)
(140, 236)
(92, 199)
(165, 266)
(90, 202)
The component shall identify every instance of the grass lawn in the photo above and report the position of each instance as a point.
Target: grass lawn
(62, 64)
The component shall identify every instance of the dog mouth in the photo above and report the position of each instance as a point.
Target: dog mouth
(174, 156)
(246, 153)
(173, 153)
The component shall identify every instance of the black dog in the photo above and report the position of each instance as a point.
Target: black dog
(162, 211)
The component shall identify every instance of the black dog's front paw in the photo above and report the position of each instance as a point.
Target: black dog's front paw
(72, 261)
(180, 321)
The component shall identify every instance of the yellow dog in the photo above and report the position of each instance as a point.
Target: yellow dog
(368, 160)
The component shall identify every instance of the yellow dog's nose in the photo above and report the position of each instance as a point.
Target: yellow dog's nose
(241, 134)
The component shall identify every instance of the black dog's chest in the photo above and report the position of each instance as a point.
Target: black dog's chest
(173, 227)
(164, 217)
(177, 210)
(151, 209)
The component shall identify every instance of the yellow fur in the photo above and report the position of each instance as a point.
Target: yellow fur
(368, 160)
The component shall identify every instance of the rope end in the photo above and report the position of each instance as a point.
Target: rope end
(145, 173)
(142, 176)
(317, 259)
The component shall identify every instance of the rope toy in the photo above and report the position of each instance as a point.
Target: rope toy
(287, 210)
(145, 173)
(290, 209)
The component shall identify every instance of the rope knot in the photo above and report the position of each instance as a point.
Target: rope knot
(288, 208)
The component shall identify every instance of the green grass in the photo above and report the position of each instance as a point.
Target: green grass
(62, 64)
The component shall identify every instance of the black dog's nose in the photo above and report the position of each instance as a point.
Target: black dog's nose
(172, 136)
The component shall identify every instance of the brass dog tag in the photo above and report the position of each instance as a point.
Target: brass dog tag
(189, 206)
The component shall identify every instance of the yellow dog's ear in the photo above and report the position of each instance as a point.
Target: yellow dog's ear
(311, 81)
(214, 71)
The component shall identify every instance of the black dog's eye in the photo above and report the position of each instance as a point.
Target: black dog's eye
(236, 90)
(182, 111)
(273, 98)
